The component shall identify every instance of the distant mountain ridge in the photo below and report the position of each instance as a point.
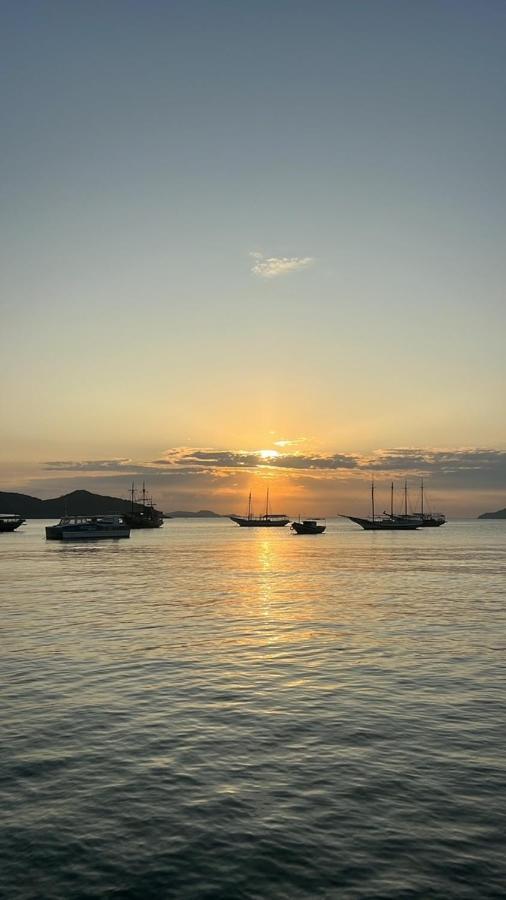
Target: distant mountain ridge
(80, 503)
(201, 514)
(74, 504)
(500, 514)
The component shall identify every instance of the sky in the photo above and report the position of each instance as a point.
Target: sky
(254, 243)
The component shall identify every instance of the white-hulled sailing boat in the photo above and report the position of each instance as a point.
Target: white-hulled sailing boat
(268, 520)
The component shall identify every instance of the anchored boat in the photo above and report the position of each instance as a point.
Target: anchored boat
(10, 521)
(87, 528)
(385, 522)
(426, 519)
(308, 526)
(268, 520)
(143, 514)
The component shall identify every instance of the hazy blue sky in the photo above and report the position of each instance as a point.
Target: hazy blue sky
(149, 149)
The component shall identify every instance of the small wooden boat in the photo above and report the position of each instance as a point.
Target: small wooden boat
(308, 526)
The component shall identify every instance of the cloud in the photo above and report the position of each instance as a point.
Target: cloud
(240, 459)
(300, 461)
(441, 461)
(89, 465)
(289, 443)
(272, 266)
(466, 480)
(465, 467)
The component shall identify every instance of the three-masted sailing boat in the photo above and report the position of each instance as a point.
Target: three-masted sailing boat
(426, 519)
(267, 520)
(385, 522)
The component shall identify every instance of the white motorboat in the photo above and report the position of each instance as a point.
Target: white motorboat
(86, 528)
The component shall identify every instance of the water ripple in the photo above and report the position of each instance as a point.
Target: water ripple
(206, 713)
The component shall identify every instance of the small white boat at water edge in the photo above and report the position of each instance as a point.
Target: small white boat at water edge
(86, 528)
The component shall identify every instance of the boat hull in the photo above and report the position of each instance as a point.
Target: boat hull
(244, 522)
(55, 533)
(384, 524)
(425, 520)
(134, 520)
(302, 528)
(10, 524)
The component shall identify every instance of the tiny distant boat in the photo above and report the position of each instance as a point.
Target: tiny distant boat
(267, 520)
(88, 528)
(308, 526)
(144, 514)
(386, 522)
(10, 521)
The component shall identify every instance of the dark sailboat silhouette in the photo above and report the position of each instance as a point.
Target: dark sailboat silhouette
(426, 519)
(144, 514)
(385, 522)
(308, 526)
(268, 520)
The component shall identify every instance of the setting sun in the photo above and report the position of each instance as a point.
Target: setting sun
(268, 454)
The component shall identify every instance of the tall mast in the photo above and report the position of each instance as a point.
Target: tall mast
(405, 498)
(144, 493)
(392, 499)
(421, 495)
(267, 504)
(249, 506)
(132, 494)
(372, 498)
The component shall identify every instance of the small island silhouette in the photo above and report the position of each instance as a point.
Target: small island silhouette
(500, 514)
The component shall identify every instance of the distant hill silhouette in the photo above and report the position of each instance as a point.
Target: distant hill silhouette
(76, 503)
(201, 514)
(81, 503)
(500, 514)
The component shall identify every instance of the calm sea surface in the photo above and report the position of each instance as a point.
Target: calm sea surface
(205, 711)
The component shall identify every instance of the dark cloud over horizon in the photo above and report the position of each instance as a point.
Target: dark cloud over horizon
(485, 465)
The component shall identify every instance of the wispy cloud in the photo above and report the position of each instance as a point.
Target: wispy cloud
(435, 460)
(289, 443)
(89, 465)
(272, 266)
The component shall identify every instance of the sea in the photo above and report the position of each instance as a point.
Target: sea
(205, 712)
